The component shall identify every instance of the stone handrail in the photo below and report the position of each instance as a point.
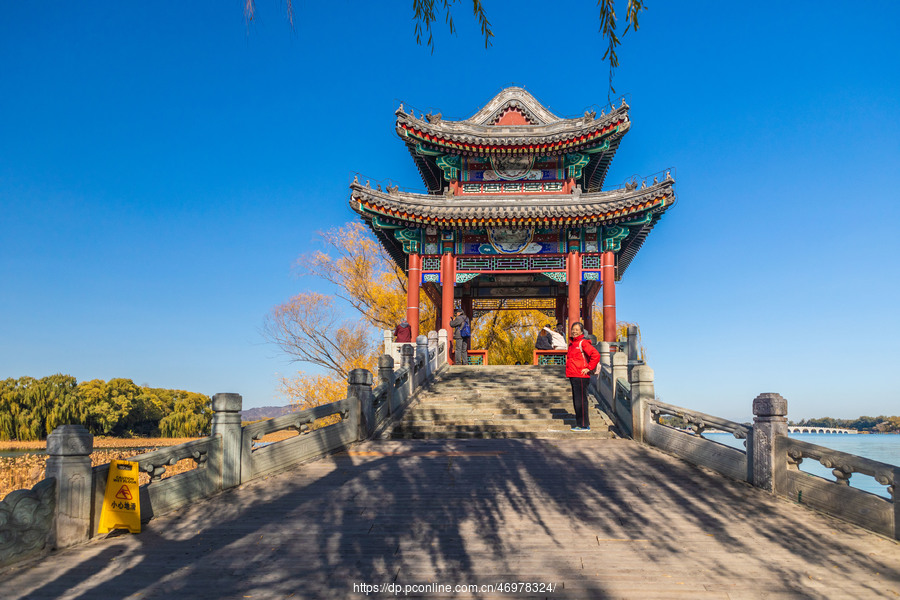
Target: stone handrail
(265, 460)
(154, 463)
(163, 495)
(64, 509)
(299, 421)
(836, 497)
(691, 445)
(771, 459)
(697, 421)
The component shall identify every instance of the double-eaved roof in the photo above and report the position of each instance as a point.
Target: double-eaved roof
(514, 123)
(514, 164)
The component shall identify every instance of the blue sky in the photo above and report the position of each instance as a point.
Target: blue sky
(162, 166)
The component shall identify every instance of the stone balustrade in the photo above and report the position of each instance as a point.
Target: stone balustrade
(64, 509)
(770, 460)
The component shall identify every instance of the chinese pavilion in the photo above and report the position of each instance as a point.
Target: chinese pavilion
(514, 216)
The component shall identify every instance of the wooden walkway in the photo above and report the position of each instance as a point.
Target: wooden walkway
(593, 518)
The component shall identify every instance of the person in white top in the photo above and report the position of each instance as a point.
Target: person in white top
(558, 341)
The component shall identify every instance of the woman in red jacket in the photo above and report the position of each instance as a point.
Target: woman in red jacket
(581, 360)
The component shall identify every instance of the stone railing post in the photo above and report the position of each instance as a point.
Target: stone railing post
(226, 422)
(388, 342)
(603, 347)
(408, 361)
(619, 371)
(69, 450)
(631, 348)
(769, 421)
(359, 393)
(443, 340)
(386, 376)
(631, 344)
(642, 392)
(422, 352)
(432, 339)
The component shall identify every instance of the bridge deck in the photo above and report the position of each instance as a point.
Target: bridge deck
(595, 518)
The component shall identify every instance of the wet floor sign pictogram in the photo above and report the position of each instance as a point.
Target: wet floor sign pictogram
(122, 501)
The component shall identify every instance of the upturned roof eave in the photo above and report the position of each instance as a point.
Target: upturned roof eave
(559, 137)
(410, 209)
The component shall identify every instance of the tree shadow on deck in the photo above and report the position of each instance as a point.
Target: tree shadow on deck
(571, 513)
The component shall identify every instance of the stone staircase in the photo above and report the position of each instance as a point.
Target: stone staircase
(497, 402)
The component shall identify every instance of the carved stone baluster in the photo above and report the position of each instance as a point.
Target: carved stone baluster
(642, 392)
(227, 423)
(794, 458)
(770, 420)
(841, 472)
(359, 393)
(386, 375)
(69, 449)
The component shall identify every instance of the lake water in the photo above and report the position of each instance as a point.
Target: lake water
(881, 447)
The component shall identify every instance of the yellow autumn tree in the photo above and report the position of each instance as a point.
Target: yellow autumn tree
(363, 274)
(508, 335)
(310, 327)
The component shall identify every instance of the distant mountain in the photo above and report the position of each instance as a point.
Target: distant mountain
(264, 412)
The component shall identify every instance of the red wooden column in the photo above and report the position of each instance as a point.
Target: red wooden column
(560, 309)
(608, 274)
(586, 313)
(573, 265)
(448, 280)
(414, 279)
(466, 305)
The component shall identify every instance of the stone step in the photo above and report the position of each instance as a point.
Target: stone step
(420, 412)
(496, 402)
(454, 427)
(529, 403)
(486, 425)
(507, 389)
(595, 433)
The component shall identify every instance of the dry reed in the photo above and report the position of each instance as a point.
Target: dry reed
(22, 472)
(102, 442)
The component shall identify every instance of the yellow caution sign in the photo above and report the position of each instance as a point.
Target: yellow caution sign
(122, 502)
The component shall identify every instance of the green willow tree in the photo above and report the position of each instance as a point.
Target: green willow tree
(31, 408)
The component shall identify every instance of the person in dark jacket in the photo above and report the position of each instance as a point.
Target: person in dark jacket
(462, 333)
(403, 332)
(581, 360)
